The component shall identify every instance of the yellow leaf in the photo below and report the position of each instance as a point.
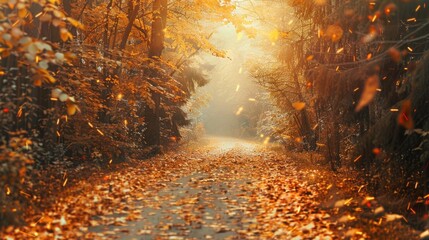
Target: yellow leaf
(298, 105)
(50, 78)
(75, 23)
(274, 35)
(65, 35)
(58, 14)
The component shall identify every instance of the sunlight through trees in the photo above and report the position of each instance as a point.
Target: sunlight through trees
(98, 84)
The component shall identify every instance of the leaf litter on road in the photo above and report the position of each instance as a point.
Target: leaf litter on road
(247, 192)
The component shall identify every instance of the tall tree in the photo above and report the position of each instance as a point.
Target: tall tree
(152, 115)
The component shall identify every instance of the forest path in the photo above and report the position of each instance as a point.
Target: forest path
(238, 189)
(218, 188)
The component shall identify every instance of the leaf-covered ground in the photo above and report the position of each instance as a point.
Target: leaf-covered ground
(219, 189)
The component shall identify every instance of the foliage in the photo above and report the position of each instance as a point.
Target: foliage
(15, 161)
(28, 64)
(78, 81)
(362, 62)
(193, 109)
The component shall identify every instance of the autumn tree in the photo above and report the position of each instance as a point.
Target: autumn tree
(364, 61)
(31, 54)
(96, 80)
(159, 23)
(283, 75)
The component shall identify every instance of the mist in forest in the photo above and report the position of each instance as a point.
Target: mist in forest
(230, 86)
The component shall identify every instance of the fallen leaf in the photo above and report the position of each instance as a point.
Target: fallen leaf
(63, 221)
(352, 232)
(393, 217)
(298, 105)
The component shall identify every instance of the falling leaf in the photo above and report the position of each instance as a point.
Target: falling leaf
(274, 35)
(266, 140)
(369, 92)
(369, 37)
(424, 235)
(240, 109)
(119, 96)
(405, 118)
(298, 105)
(376, 151)
(71, 109)
(37, 82)
(389, 8)
(334, 33)
(379, 210)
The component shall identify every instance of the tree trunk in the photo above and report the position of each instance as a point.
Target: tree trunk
(307, 132)
(159, 9)
(152, 116)
(132, 15)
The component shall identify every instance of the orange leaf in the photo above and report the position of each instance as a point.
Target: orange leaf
(298, 105)
(395, 54)
(37, 82)
(371, 86)
(334, 32)
(71, 109)
(75, 23)
(22, 13)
